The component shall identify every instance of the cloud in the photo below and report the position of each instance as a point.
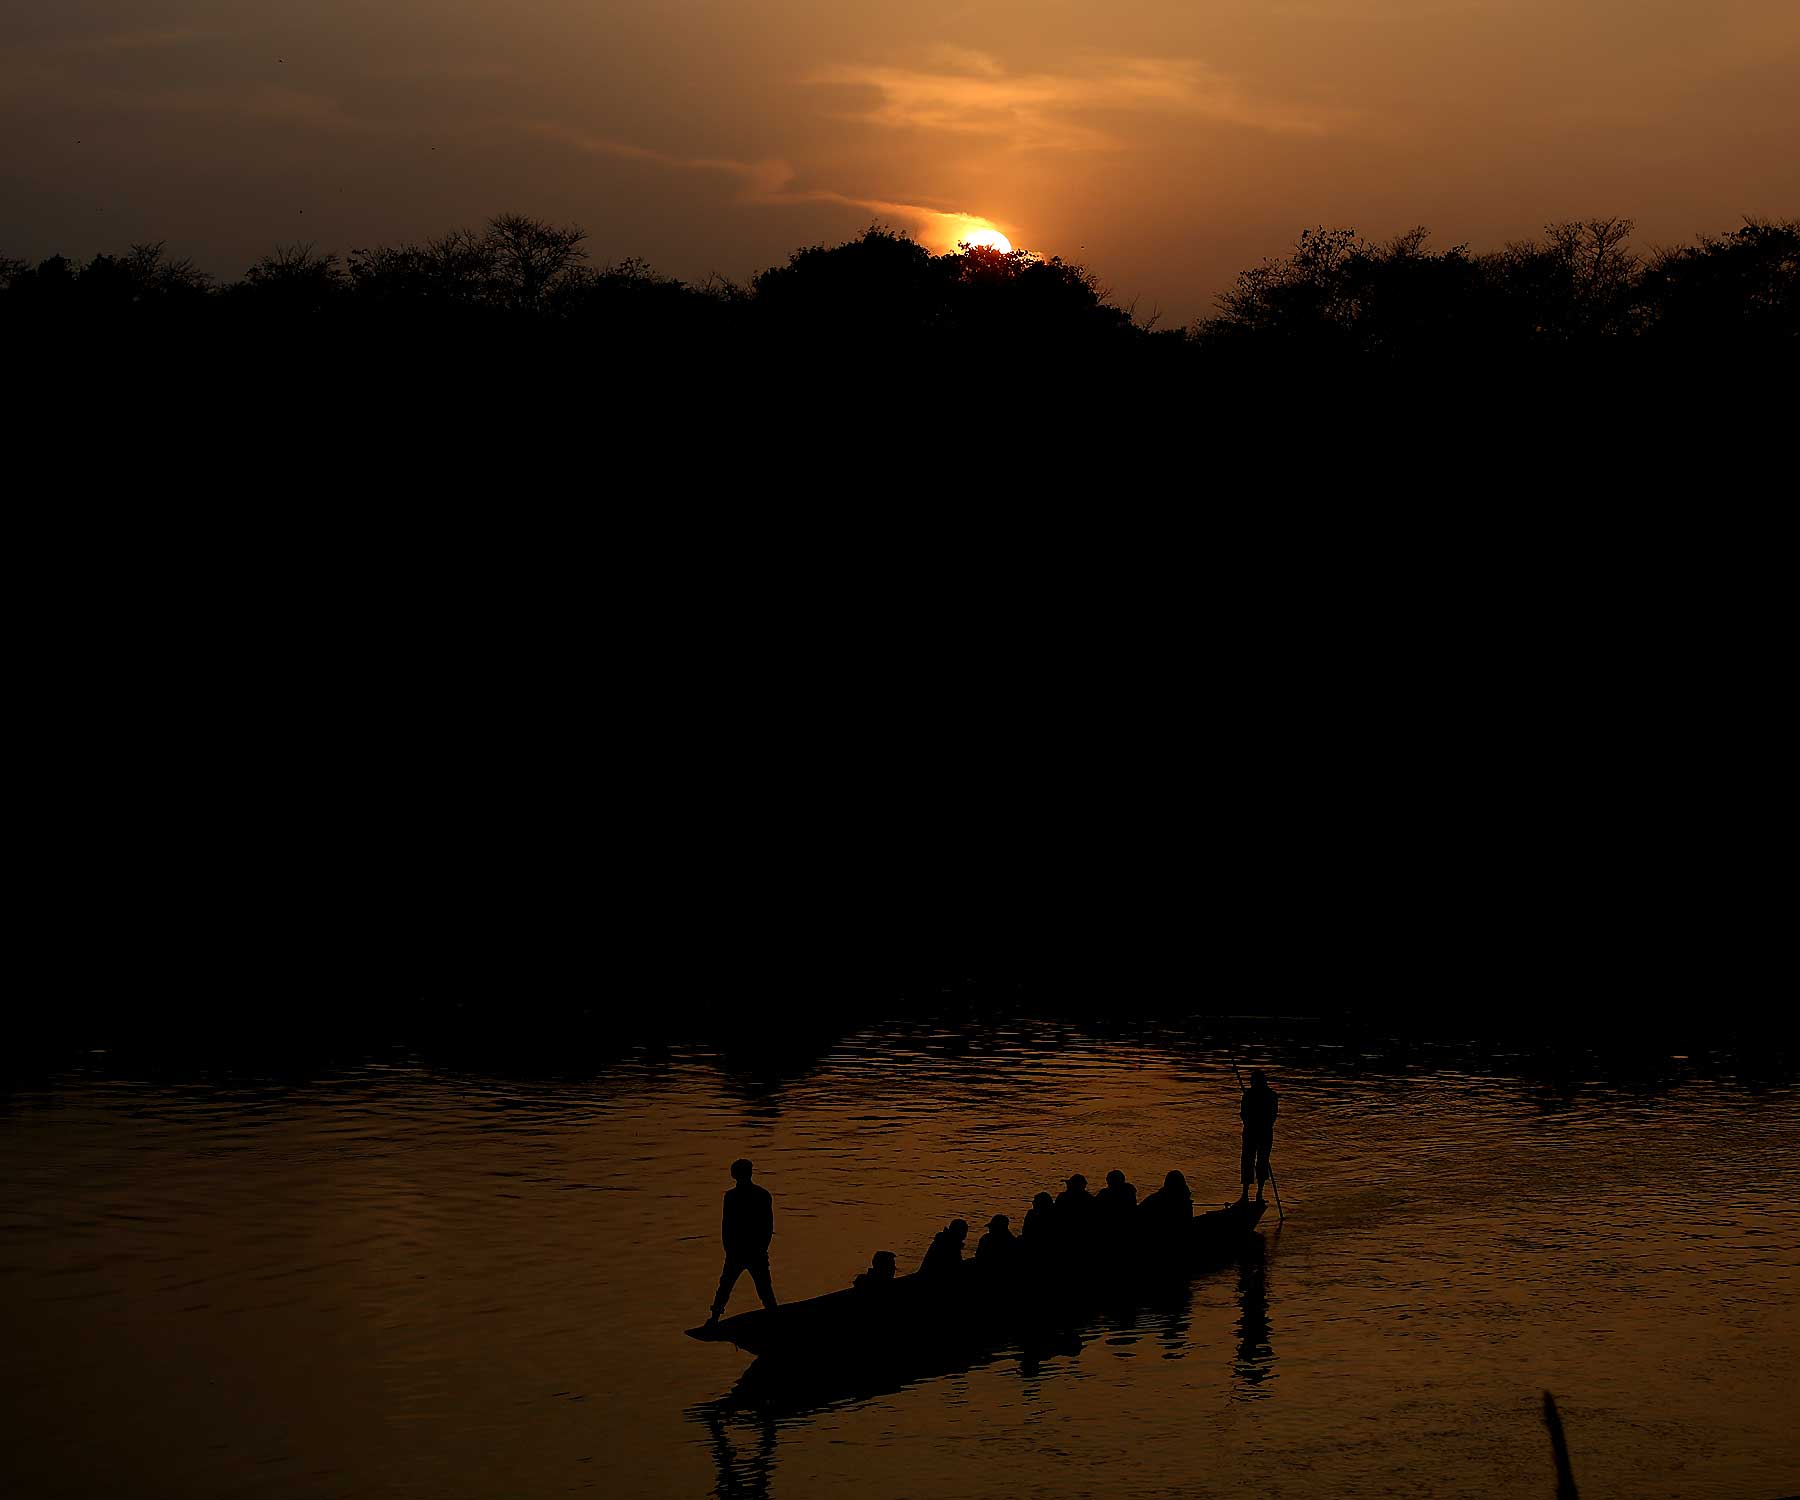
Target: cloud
(760, 181)
(970, 94)
(968, 60)
(773, 183)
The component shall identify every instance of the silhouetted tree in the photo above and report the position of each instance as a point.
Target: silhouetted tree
(294, 281)
(1740, 290)
(1017, 298)
(1574, 286)
(118, 293)
(634, 307)
(140, 276)
(1302, 299)
(1576, 295)
(1408, 302)
(455, 269)
(882, 283)
(531, 263)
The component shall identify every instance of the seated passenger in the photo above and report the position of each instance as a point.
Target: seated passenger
(1039, 1221)
(1074, 1204)
(1117, 1199)
(998, 1245)
(945, 1253)
(1169, 1207)
(879, 1274)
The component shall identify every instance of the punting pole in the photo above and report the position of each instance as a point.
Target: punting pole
(1280, 1212)
(1559, 1448)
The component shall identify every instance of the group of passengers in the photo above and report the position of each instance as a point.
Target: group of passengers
(1075, 1222)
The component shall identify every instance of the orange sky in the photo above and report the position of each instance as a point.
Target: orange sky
(1165, 142)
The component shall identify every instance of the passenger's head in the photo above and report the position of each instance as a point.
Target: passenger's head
(958, 1229)
(1043, 1200)
(1257, 1081)
(883, 1261)
(999, 1221)
(1078, 1183)
(1175, 1183)
(740, 1169)
(1115, 1178)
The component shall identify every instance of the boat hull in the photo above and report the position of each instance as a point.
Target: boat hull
(1037, 1297)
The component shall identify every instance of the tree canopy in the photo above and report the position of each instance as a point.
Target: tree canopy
(1578, 289)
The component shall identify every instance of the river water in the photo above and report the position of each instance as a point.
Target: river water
(399, 1279)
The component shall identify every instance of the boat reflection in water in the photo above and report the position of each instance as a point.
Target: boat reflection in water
(786, 1389)
(743, 1450)
(744, 1424)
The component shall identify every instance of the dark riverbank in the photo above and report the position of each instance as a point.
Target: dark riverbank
(766, 1034)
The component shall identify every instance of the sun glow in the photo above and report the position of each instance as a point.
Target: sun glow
(988, 239)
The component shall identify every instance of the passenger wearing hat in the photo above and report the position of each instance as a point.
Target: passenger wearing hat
(1075, 1205)
(998, 1246)
(747, 1227)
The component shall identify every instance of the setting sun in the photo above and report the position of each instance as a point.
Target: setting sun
(988, 239)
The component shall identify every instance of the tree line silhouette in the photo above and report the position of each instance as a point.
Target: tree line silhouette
(1578, 289)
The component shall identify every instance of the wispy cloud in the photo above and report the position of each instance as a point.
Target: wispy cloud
(760, 181)
(969, 93)
(774, 183)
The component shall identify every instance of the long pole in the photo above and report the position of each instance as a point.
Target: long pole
(1559, 1448)
(1280, 1212)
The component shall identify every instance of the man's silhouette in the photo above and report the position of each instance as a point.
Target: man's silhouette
(1258, 1112)
(998, 1246)
(1074, 1204)
(1169, 1208)
(945, 1254)
(748, 1225)
(1117, 1199)
(879, 1274)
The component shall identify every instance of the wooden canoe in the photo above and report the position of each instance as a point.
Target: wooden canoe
(971, 1306)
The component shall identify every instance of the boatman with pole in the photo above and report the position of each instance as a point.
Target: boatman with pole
(749, 1225)
(1258, 1111)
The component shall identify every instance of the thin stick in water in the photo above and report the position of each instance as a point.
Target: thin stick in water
(1565, 1475)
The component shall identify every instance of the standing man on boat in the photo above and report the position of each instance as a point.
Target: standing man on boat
(748, 1226)
(1258, 1113)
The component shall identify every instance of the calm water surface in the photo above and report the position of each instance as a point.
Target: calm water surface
(405, 1281)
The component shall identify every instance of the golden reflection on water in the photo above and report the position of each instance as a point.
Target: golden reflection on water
(418, 1283)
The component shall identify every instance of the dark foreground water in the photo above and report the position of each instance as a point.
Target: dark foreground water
(404, 1281)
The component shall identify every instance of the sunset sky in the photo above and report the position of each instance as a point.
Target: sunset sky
(1167, 143)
